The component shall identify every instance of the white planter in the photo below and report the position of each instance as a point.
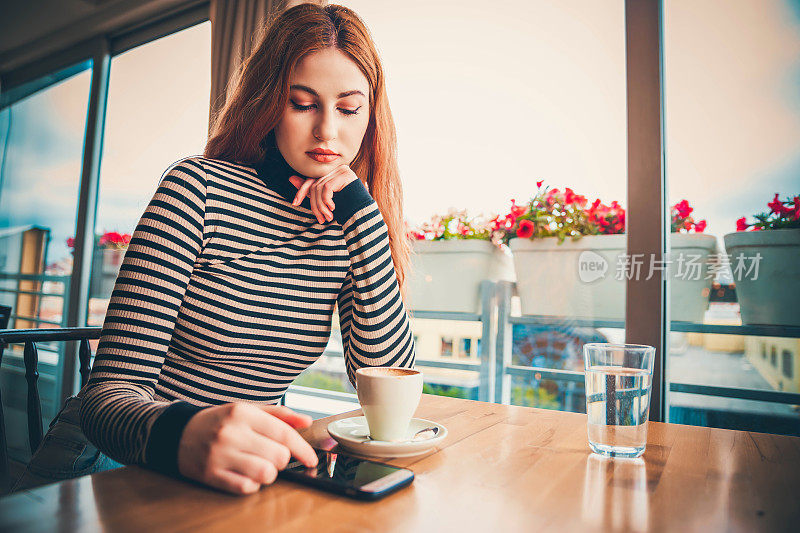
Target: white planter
(770, 297)
(549, 281)
(105, 269)
(580, 278)
(688, 287)
(446, 275)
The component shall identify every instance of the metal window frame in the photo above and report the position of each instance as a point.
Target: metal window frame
(646, 319)
(41, 74)
(646, 309)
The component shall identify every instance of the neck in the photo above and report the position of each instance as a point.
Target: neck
(275, 172)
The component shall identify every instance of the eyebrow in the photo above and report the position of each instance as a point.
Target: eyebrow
(312, 91)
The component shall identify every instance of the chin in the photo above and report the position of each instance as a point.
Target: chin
(317, 170)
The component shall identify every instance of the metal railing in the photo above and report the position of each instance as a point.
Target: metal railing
(495, 367)
(506, 369)
(41, 279)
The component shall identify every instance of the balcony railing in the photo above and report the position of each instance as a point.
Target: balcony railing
(494, 362)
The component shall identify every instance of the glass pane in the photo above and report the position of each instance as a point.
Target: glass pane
(41, 151)
(540, 96)
(41, 138)
(731, 139)
(158, 100)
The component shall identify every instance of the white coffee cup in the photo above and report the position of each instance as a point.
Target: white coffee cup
(388, 396)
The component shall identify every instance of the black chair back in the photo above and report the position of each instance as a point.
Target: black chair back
(29, 338)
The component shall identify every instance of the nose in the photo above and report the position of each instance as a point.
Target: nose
(325, 127)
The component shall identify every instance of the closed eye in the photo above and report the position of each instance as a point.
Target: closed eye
(309, 107)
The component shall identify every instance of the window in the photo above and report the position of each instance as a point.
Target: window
(41, 151)
(731, 125)
(787, 367)
(532, 91)
(466, 348)
(41, 145)
(447, 347)
(158, 100)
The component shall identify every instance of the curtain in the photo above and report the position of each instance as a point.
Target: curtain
(236, 27)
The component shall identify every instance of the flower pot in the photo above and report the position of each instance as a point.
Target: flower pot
(582, 279)
(112, 260)
(689, 286)
(446, 275)
(550, 282)
(770, 295)
(106, 263)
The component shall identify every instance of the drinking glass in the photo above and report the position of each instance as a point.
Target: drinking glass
(618, 381)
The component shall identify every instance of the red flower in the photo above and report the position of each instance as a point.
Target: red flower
(517, 210)
(525, 229)
(683, 208)
(796, 207)
(776, 205)
(741, 224)
(569, 196)
(551, 195)
(700, 226)
(539, 184)
(71, 242)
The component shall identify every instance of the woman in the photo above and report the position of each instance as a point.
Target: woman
(228, 287)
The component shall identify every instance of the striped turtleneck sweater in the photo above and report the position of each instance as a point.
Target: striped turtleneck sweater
(227, 293)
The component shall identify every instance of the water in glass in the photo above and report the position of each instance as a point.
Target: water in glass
(617, 401)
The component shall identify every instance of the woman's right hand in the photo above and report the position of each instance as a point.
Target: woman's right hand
(237, 447)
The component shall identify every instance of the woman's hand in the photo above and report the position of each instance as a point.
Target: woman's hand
(320, 191)
(237, 447)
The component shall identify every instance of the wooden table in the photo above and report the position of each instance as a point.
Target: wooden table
(501, 469)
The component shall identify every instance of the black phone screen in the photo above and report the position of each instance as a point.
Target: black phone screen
(351, 475)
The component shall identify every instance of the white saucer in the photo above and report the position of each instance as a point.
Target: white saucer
(351, 433)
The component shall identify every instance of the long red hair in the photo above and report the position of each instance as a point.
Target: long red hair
(258, 97)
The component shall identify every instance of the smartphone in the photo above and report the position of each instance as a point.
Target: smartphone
(348, 475)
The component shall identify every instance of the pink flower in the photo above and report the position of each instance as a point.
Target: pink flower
(539, 184)
(700, 226)
(71, 242)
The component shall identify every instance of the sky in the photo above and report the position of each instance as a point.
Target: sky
(486, 102)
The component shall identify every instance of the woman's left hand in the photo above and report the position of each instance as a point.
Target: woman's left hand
(320, 191)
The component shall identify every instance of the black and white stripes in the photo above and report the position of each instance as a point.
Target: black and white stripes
(227, 293)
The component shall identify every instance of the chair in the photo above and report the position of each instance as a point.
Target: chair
(29, 338)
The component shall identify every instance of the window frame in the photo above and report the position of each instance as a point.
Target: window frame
(646, 311)
(38, 75)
